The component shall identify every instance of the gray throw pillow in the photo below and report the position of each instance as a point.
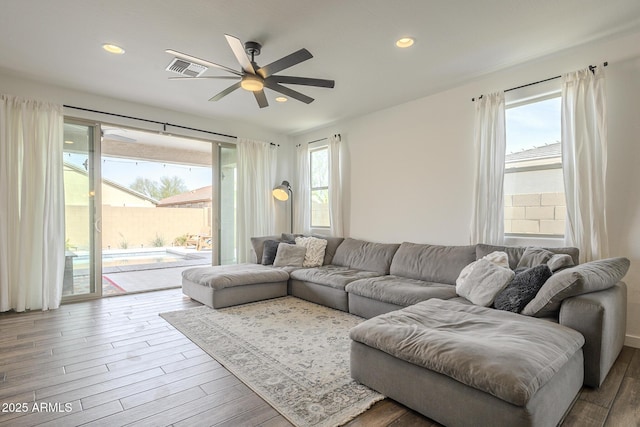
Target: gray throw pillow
(289, 255)
(522, 289)
(257, 244)
(560, 261)
(583, 278)
(534, 256)
(269, 251)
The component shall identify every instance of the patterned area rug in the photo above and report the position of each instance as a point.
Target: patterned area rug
(293, 353)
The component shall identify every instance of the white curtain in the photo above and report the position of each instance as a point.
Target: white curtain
(487, 221)
(336, 179)
(302, 194)
(256, 179)
(584, 161)
(32, 231)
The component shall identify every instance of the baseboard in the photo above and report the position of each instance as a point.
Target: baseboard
(632, 341)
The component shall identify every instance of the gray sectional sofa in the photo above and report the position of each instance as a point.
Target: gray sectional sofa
(430, 349)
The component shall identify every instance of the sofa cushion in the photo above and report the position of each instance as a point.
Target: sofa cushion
(560, 261)
(331, 275)
(504, 354)
(522, 289)
(226, 276)
(431, 263)
(485, 281)
(581, 279)
(362, 255)
(516, 252)
(400, 290)
(289, 255)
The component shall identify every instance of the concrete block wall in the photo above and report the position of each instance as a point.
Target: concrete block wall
(535, 213)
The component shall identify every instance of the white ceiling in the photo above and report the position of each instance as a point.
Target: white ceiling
(352, 41)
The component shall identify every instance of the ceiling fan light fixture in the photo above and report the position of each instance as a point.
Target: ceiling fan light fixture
(281, 99)
(112, 48)
(251, 83)
(405, 42)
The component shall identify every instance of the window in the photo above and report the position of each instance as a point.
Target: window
(533, 182)
(319, 177)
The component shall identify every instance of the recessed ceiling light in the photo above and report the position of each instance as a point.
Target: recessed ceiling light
(112, 48)
(405, 42)
(281, 99)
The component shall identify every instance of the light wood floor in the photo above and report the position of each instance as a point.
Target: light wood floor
(116, 362)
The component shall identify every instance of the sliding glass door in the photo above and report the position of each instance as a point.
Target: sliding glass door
(82, 218)
(142, 206)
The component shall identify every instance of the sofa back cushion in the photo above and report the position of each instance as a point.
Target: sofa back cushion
(432, 263)
(515, 253)
(363, 255)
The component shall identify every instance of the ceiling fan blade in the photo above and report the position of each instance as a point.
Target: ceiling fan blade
(261, 98)
(303, 81)
(238, 50)
(288, 92)
(202, 61)
(285, 62)
(225, 92)
(204, 77)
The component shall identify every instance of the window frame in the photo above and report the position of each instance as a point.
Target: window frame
(315, 147)
(525, 96)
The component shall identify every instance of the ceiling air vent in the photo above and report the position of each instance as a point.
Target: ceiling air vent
(186, 68)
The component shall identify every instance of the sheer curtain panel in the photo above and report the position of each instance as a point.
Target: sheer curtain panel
(256, 178)
(584, 161)
(336, 178)
(302, 199)
(31, 204)
(487, 221)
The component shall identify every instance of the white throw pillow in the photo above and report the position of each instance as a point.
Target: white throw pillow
(498, 258)
(315, 250)
(485, 281)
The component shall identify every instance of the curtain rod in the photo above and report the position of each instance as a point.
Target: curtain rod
(591, 67)
(164, 128)
(337, 135)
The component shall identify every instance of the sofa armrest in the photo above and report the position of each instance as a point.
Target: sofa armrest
(601, 317)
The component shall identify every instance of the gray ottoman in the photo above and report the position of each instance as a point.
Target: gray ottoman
(226, 285)
(464, 365)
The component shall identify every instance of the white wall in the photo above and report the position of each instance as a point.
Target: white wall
(411, 167)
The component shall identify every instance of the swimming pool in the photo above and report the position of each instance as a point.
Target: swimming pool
(125, 257)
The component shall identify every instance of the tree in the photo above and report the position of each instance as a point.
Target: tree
(170, 186)
(167, 187)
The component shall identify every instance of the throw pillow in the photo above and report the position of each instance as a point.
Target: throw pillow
(534, 256)
(522, 289)
(497, 257)
(269, 251)
(560, 261)
(581, 279)
(484, 282)
(289, 255)
(315, 250)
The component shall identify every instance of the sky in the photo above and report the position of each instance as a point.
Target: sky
(533, 125)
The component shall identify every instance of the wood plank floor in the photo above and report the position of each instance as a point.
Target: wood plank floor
(115, 362)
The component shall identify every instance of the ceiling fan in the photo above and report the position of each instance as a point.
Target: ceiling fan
(252, 77)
